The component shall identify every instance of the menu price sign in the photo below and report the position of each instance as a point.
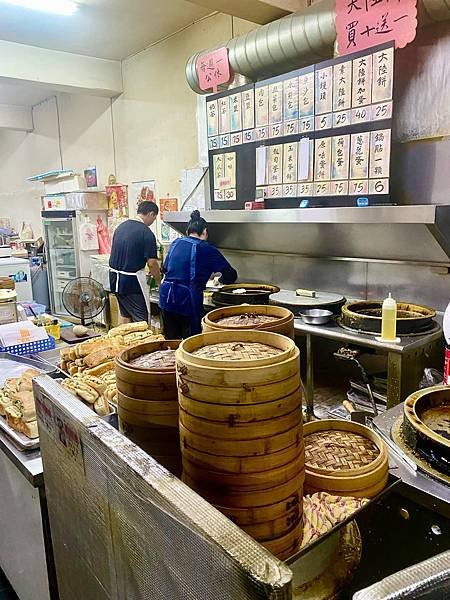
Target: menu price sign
(362, 24)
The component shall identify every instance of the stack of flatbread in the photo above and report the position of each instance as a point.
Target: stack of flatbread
(17, 404)
(91, 364)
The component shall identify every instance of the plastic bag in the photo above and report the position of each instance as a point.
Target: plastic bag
(104, 242)
(26, 232)
(88, 236)
(430, 378)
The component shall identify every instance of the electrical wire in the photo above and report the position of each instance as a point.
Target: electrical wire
(195, 188)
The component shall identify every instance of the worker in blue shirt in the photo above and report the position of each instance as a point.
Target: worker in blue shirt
(189, 264)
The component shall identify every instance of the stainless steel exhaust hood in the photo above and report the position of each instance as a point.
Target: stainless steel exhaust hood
(405, 233)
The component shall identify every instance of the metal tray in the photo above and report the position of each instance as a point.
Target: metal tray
(21, 440)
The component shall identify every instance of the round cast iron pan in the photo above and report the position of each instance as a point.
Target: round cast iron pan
(255, 293)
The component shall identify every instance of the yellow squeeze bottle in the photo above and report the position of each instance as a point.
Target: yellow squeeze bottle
(389, 320)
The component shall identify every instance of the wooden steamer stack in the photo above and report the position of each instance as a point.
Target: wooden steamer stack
(148, 404)
(241, 431)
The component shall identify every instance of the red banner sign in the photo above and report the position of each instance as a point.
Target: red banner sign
(213, 69)
(361, 24)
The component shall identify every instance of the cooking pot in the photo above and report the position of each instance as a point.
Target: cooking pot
(252, 293)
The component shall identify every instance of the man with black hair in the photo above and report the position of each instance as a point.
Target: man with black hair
(134, 247)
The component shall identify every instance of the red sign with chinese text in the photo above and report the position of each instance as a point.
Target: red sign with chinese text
(213, 69)
(361, 24)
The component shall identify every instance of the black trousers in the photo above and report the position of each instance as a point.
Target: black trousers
(176, 327)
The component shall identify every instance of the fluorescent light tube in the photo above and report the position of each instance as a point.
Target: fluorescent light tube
(57, 7)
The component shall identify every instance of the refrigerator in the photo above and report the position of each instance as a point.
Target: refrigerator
(18, 269)
(67, 255)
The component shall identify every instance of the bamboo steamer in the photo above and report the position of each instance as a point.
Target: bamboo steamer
(244, 464)
(240, 448)
(233, 414)
(287, 545)
(241, 431)
(274, 529)
(148, 404)
(235, 497)
(245, 393)
(284, 323)
(245, 481)
(263, 514)
(344, 458)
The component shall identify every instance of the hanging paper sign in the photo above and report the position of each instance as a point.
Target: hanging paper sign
(213, 69)
(361, 24)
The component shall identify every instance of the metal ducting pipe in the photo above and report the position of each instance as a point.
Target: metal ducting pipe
(296, 40)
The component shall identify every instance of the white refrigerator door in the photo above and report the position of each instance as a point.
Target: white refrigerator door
(19, 270)
(62, 256)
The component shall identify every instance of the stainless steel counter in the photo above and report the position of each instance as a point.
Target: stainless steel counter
(419, 486)
(28, 463)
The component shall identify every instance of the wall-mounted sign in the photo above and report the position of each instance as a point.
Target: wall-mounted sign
(213, 69)
(362, 24)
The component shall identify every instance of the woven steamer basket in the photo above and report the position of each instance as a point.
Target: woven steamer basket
(241, 430)
(282, 321)
(148, 404)
(344, 458)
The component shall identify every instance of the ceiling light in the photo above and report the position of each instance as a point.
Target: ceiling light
(58, 7)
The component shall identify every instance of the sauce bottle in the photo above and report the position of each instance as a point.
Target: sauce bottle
(389, 320)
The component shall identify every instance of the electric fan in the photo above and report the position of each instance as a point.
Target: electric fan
(83, 298)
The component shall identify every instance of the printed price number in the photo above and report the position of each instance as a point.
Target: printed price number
(358, 187)
(225, 141)
(379, 186)
(236, 139)
(305, 189)
(322, 189)
(276, 131)
(219, 195)
(248, 136)
(324, 122)
(341, 119)
(340, 188)
(291, 128)
(290, 191)
(361, 115)
(213, 143)
(275, 191)
(262, 133)
(382, 111)
(307, 124)
(230, 195)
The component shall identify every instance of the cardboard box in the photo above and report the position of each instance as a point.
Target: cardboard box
(61, 185)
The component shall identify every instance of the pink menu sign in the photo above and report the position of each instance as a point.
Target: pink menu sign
(361, 24)
(213, 69)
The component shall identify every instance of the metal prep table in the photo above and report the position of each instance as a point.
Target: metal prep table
(26, 555)
(406, 360)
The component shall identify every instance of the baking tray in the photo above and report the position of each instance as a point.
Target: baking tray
(9, 370)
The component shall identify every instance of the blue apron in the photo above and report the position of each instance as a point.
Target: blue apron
(183, 299)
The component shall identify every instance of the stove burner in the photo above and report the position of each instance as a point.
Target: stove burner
(433, 329)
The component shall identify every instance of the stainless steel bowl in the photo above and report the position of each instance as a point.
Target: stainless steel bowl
(316, 316)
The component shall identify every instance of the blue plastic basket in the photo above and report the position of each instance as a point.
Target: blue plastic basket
(31, 347)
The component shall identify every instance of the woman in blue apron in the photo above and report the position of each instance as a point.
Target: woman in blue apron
(189, 264)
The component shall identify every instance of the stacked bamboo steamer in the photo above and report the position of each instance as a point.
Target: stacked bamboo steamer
(275, 319)
(148, 404)
(344, 458)
(241, 431)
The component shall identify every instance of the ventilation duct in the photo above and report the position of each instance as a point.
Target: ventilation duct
(296, 40)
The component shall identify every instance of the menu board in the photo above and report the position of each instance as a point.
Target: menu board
(318, 136)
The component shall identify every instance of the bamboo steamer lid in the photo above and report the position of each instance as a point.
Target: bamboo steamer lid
(244, 394)
(136, 375)
(286, 545)
(241, 431)
(232, 414)
(234, 498)
(236, 358)
(244, 464)
(275, 319)
(246, 481)
(263, 514)
(344, 458)
(241, 448)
